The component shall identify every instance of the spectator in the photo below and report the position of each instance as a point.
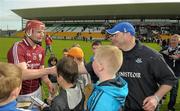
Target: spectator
(83, 79)
(95, 45)
(78, 55)
(29, 56)
(76, 45)
(148, 76)
(71, 97)
(10, 85)
(48, 41)
(164, 44)
(65, 52)
(109, 92)
(52, 61)
(171, 55)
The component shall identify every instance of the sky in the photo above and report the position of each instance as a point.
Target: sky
(9, 20)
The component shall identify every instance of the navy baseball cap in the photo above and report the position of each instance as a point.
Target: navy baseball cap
(122, 27)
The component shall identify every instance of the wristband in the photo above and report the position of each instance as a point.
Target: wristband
(157, 98)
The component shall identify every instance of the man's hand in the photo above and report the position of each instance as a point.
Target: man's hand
(150, 103)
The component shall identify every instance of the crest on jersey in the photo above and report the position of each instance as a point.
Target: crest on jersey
(139, 60)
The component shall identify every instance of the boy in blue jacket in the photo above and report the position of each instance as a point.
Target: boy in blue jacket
(10, 86)
(109, 92)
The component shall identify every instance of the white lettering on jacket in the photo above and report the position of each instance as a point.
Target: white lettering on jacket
(130, 74)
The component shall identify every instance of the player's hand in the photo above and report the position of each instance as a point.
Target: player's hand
(150, 103)
(53, 70)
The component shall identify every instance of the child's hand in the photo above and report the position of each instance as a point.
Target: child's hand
(51, 88)
(49, 100)
(77, 61)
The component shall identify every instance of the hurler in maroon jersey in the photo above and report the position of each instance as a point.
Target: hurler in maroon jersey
(29, 56)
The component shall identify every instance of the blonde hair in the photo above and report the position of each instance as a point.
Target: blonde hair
(10, 78)
(109, 56)
(174, 40)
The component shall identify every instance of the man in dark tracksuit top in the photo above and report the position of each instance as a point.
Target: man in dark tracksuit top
(148, 76)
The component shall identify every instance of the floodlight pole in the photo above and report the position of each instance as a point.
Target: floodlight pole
(21, 23)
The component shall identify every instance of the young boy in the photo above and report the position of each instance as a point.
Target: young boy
(95, 45)
(10, 86)
(71, 96)
(83, 79)
(78, 55)
(52, 61)
(109, 92)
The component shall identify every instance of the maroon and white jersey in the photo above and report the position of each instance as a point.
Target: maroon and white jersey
(23, 52)
(48, 40)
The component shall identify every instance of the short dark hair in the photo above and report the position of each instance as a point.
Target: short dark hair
(96, 42)
(68, 69)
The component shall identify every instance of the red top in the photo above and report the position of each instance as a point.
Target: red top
(48, 40)
(22, 52)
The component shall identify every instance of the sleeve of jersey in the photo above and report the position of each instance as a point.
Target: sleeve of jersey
(162, 72)
(18, 54)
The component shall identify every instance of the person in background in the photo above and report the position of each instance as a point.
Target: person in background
(76, 45)
(52, 61)
(96, 44)
(10, 85)
(109, 92)
(171, 55)
(48, 41)
(29, 56)
(71, 96)
(65, 52)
